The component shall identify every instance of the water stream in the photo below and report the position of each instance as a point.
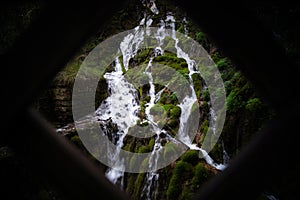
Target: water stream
(122, 106)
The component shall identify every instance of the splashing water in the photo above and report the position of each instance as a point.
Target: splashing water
(122, 106)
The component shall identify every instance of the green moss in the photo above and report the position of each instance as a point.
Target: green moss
(197, 84)
(254, 104)
(217, 153)
(144, 149)
(173, 123)
(133, 162)
(201, 38)
(159, 113)
(143, 108)
(183, 70)
(209, 139)
(206, 96)
(169, 150)
(187, 194)
(201, 175)
(223, 63)
(216, 56)
(139, 185)
(168, 107)
(147, 98)
(131, 183)
(175, 187)
(191, 157)
(204, 126)
(151, 144)
(175, 112)
(157, 109)
(145, 163)
(143, 55)
(137, 76)
(163, 98)
(181, 29)
(234, 101)
(173, 98)
(171, 60)
(69, 72)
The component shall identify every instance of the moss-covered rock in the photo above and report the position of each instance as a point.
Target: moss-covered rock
(139, 183)
(175, 187)
(190, 156)
(202, 174)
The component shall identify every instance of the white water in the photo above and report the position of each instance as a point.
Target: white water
(122, 106)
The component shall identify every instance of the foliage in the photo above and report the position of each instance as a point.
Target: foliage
(206, 95)
(175, 112)
(223, 63)
(191, 157)
(181, 29)
(201, 38)
(234, 101)
(133, 162)
(217, 153)
(144, 149)
(69, 72)
(168, 107)
(151, 144)
(139, 185)
(253, 104)
(172, 123)
(175, 186)
(187, 194)
(169, 150)
(157, 109)
(201, 175)
(131, 183)
(197, 80)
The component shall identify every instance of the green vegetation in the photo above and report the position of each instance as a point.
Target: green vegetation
(185, 175)
(201, 175)
(151, 144)
(201, 38)
(131, 184)
(223, 63)
(234, 101)
(217, 153)
(191, 157)
(254, 104)
(175, 112)
(169, 150)
(139, 185)
(175, 187)
(197, 80)
(144, 149)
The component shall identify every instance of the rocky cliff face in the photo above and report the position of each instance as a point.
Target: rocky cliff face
(56, 103)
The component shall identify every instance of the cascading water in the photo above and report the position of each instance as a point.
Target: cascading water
(122, 106)
(189, 101)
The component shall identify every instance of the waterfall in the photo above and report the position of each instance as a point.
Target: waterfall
(120, 110)
(120, 107)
